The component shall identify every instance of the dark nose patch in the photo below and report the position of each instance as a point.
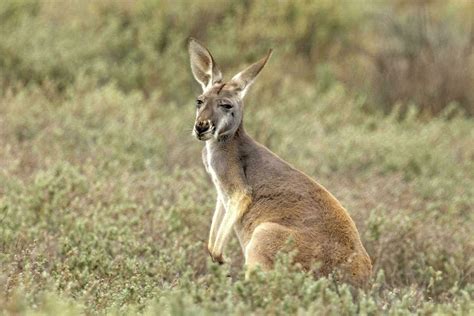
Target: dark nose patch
(202, 126)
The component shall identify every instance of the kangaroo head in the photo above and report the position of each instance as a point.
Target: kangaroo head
(219, 109)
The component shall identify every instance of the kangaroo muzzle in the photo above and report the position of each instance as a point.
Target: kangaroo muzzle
(203, 128)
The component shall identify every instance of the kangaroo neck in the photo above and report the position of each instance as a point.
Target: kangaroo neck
(225, 162)
(230, 145)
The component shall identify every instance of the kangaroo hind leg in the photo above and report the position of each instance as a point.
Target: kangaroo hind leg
(267, 239)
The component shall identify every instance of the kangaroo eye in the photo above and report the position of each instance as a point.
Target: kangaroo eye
(226, 106)
(199, 103)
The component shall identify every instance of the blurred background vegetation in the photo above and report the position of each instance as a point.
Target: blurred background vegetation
(104, 203)
(393, 52)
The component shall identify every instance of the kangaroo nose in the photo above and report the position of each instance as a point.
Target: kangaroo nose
(202, 126)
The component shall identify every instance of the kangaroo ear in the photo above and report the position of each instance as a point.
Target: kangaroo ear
(203, 66)
(244, 79)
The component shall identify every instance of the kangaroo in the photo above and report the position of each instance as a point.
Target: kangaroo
(262, 198)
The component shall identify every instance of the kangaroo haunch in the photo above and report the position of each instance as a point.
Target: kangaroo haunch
(264, 199)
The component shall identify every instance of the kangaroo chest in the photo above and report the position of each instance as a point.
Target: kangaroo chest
(224, 169)
(214, 163)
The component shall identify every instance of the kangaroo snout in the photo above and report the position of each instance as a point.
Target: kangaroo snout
(203, 129)
(203, 126)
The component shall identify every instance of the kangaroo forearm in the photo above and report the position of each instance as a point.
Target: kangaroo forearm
(238, 205)
(223, 234)
(216, 223)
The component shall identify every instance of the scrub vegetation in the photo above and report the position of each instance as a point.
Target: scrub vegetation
(105, 206)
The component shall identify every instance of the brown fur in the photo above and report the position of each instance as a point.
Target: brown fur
(264, 199)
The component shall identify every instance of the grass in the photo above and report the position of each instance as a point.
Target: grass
(105, 206)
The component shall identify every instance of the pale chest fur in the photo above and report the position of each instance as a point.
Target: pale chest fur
(223, 164)
(210, 162)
